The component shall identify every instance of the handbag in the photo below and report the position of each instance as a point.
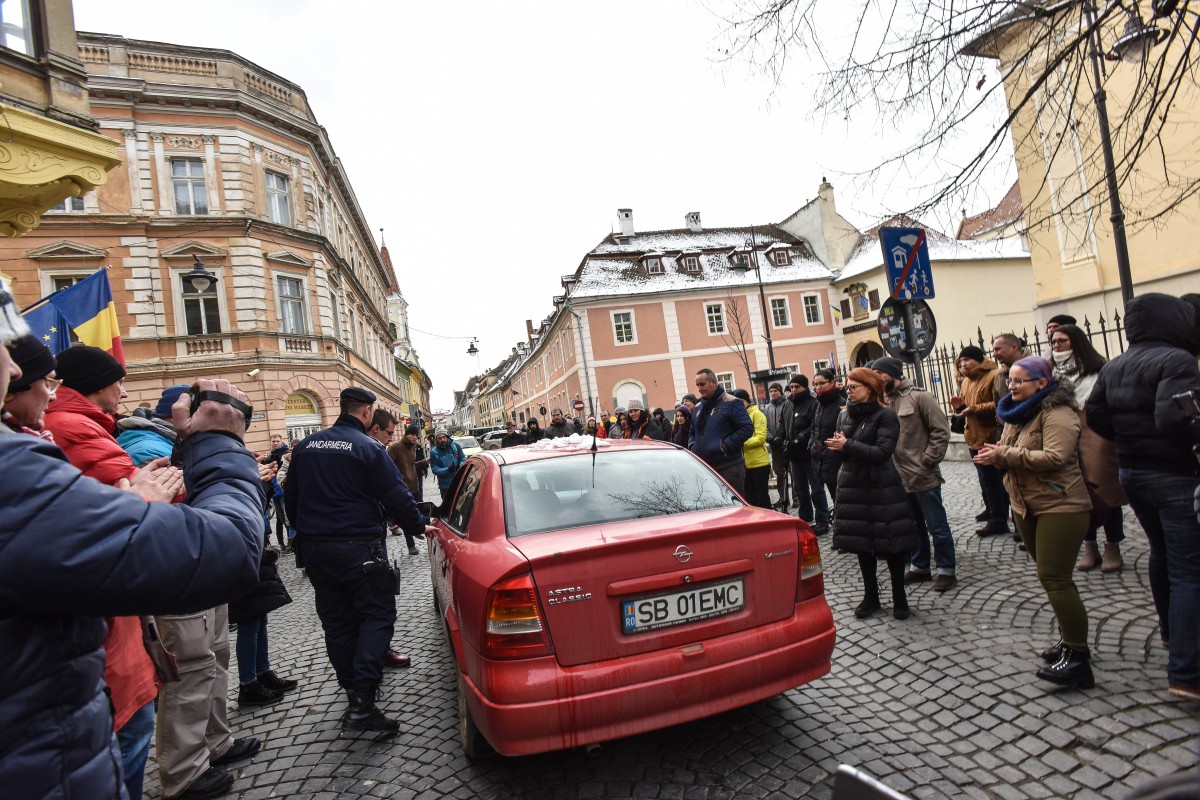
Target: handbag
(163, 660)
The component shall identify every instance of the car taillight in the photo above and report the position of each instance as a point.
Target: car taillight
(515, 625)
(810, 582)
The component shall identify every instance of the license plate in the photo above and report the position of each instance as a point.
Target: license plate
(689, 605)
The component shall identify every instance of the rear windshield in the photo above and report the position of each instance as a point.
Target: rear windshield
(466, 441)
(570, 492)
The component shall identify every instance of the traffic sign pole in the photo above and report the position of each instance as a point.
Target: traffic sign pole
(911, 326)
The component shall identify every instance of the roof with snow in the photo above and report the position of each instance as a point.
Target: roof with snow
(868, 256)
(614, 267)
(1008, 210)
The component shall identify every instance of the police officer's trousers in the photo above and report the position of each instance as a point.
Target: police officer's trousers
(358, 622)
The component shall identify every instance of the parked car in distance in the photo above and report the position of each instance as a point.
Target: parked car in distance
(469, 444)
(491, 439)
(590, 595)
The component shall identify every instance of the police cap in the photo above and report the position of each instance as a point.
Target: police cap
(354, 394)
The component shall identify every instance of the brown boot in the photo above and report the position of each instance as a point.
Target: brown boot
(1112, 558)
(1089, 559)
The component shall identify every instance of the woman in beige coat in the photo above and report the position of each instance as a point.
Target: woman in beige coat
(976, 404)
(1039, 450)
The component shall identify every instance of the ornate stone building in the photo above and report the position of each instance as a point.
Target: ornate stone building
(226, 167)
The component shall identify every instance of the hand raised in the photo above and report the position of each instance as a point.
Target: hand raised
(211, 415)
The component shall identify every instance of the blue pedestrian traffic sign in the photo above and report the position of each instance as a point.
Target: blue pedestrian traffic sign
(906, 259)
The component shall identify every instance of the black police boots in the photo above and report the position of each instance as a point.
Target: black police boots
(1073, 669)
(363, 714)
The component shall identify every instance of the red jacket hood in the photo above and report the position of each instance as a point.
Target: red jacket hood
(69, 401)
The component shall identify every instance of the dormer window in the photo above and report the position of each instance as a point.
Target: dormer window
(739, 260)
(654, 266)
(691, 263)
(781, 258)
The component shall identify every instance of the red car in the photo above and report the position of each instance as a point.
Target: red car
(592, 595)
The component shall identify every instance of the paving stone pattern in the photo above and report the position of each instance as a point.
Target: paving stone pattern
(943, 704)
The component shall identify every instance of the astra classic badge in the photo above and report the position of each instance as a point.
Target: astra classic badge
(682, 554)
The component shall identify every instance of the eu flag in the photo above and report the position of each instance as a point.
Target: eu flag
(47, 324)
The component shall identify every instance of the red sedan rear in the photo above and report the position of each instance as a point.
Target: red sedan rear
(592, 595)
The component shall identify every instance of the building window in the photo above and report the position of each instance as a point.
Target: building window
(739, 261)
(781, 258)
(60, 282)
(691, 264)
(726, 380)
(846, 309)
(187, 181)
(820, 363)
(333, 305)
(69, 205)
(279, 199)
(654, 266)
(291, 305)
(780, 317)
(812, 309)
(17, 26)
(623, 330)
(873, 298)
(201, 313)
(792, 369)
(714, 314)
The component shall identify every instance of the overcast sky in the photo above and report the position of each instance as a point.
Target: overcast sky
(493, 142)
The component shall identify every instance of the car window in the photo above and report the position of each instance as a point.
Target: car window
(464, 501)
(587, 489)
(466, 441)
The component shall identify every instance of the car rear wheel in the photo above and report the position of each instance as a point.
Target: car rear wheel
(473, 744)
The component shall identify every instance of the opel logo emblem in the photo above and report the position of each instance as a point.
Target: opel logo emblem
(682, 554)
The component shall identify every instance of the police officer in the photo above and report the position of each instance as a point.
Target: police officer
(340, 485)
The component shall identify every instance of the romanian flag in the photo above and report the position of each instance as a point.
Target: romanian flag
(837, 314)
(49, 326)
(89, 309)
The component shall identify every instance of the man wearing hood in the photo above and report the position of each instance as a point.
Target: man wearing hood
(534, 432)
(1131, 403)
(445, 458)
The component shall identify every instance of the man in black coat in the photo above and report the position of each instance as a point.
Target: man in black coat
(511, 438)
(797, 418)
(1132, 404)
(64, 571)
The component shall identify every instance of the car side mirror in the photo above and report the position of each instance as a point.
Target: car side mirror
(428, 509)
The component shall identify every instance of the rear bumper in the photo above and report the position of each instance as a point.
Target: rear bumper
(535, 706)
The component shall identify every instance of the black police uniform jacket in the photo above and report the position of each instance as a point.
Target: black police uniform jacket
(341, 484)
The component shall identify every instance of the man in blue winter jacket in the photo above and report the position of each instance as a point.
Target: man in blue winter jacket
(445, 457)
(720, 426)
(73, 551)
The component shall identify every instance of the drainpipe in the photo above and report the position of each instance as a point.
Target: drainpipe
(587, 373)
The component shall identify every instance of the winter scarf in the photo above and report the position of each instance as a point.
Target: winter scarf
(1014, 413)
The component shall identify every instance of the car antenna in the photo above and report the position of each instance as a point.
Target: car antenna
(595, 436)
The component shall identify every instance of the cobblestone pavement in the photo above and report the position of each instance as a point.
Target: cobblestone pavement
(943, 704)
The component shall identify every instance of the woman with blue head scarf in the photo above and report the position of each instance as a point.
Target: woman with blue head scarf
(1039, 451)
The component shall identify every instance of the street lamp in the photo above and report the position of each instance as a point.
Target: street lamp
(199, 277)
(744, 266)
(473, 350)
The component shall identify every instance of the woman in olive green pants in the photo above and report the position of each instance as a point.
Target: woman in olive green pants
(1039, 451)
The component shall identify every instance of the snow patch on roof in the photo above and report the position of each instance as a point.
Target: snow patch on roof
(868, 255)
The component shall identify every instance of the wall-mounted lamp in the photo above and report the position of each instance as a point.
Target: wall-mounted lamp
(199, 277)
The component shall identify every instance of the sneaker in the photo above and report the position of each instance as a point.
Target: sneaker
(943, 582)
(212, 782)
(239, 750)
(277, 684)
(916, 576)
(413, 551)
(256, 694)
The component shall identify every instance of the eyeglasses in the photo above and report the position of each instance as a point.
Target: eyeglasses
(51, 384)
(1057, 343)
(850, 387)
(1018, 381)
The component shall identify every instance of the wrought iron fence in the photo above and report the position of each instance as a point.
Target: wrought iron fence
(1107, 336)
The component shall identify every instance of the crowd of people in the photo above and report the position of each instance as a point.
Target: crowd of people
(124, 632)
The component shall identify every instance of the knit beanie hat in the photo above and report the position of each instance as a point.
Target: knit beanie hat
(972, 352)
(635, 404)
(34, 358)
(889, 366)
(12, 325)
(169, 396)
(441, 432)
(741, 394)
(88, 369)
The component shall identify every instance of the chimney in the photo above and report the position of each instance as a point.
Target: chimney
(692, 220)
(626, 217)
(529, 329)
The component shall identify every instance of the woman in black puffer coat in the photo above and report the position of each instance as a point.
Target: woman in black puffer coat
(874, 518)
